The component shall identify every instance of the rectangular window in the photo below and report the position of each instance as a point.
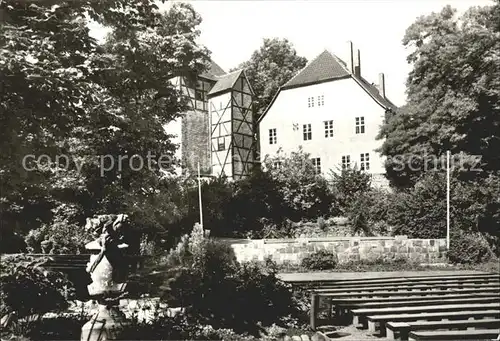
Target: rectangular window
(199, 95)
(277, 165)
(272, 136)
(307, 132)
(360, 125)
(317, 165)
(321, 101)
(310, 102)
(221, 143)
(346, 161)
(329, 128)
(365, 161)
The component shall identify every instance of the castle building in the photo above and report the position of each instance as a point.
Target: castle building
(218, 130)
(332, 112)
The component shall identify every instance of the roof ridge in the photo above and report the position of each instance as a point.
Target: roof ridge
(339, 60)
(226, 81)
(324, 66)
(229, 73)
(307, 64)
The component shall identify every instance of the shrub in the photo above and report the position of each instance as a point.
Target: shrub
(320, 260)
(367, 212)
(27, 289)
(380, 264)
(63, 327)
(11, 242)
(205, 278)
(304, 193)
(63, 236)
(346, 184)
(266, 298)
(332, 227)
(260, 192)
(180, 327)
(468, 248)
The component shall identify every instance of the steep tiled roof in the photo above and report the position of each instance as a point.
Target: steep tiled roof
(328, 67)
(374, 93)
(324, 67)
(214, 71)
(225, 82)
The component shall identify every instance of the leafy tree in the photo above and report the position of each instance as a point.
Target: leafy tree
(420, 212)
(64, 94)
(453, 99)
(260, 192)
(270, 67)
(347, 184)
(305, 193)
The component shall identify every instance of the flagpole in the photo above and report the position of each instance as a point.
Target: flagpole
(199, 195)
(448, 200)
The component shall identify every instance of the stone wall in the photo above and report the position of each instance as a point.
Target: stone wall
(195, 142)
(292, 251)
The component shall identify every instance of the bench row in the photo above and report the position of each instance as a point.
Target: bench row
(343, 304)
(402, 330)
(409, 287)
(378, 322)
(481, 334)
(397, 281)
(360, 315)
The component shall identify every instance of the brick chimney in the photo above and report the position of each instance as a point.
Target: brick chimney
(350, 55)
(381, 84)
(357, 63)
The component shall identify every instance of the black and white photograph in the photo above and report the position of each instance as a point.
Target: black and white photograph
(249, 170)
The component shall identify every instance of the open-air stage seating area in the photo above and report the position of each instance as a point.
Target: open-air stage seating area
(443, 307)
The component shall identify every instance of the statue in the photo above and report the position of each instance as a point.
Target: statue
(108, 269)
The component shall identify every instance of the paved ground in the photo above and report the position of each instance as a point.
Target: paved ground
(321, 276)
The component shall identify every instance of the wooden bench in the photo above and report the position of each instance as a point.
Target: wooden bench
(404, 293)
(401, 330)
(456, 315)
(410, 303)
(409, 287)
(364, 300)
(477, 334)
(338, 299)
(359, 315)
(410, 283)
(357, 281)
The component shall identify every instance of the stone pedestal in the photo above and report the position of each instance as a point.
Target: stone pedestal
(108, 321)
(106, 324)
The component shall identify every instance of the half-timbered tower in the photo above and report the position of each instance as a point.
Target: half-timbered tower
(232, 127)
(218, 130)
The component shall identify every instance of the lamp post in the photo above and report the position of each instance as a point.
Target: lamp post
(448, 200)
(199, 196)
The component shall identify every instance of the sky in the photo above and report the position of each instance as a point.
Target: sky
(232, 30)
